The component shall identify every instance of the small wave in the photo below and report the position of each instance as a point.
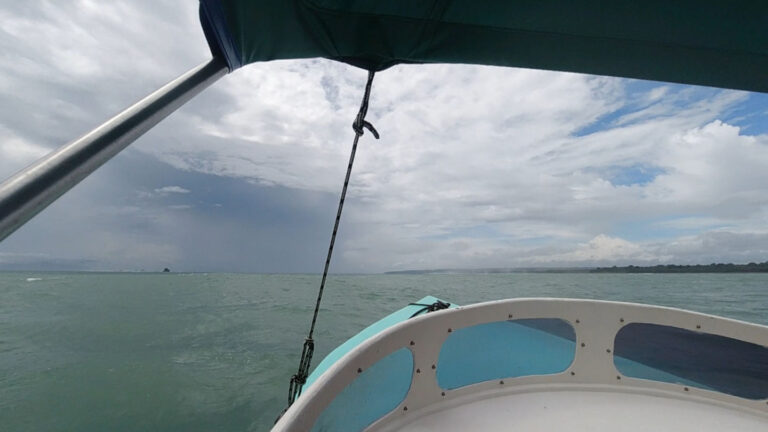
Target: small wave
(34, 279)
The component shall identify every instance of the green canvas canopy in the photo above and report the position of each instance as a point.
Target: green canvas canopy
(721, 43)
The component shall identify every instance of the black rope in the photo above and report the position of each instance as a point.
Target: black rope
(300, 378)
(436, 306)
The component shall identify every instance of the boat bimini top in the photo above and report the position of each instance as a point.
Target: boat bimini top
(721, 43)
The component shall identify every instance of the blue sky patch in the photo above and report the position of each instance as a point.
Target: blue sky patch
(630, 175)
(751, 115)
(640, 95)
(634, 175)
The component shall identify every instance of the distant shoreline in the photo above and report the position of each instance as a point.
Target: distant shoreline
(494, 270)
(661, 268)
(697, 268)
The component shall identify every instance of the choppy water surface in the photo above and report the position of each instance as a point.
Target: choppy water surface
(203, 352)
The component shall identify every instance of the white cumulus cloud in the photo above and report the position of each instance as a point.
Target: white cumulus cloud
(171, 190)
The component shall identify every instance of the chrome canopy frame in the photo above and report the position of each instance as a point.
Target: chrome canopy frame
(32, 189)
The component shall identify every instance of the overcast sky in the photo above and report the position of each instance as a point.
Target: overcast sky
(476, 166)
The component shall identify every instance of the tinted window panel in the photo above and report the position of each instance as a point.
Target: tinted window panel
(675, 355)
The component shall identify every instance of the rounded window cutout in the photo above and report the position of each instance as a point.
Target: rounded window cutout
(691, 358)
(505, 349)
(374, 393)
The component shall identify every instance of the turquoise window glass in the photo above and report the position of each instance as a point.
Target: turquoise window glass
(505, 349)
(374, 393)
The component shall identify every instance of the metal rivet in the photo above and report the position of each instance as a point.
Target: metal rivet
(359, 370)
(405, 408)
(583, 344)
(618, 376)
(608, 350)
(501, 382)
(450, 330)
(433, 366)
(442, 393)
(418, 370)
(621, 319)
(573, 373)
(413, 343)
(685, 388)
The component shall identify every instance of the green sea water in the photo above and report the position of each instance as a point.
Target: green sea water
(214, 352)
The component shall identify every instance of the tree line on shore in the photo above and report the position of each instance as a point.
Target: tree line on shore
(696, 268)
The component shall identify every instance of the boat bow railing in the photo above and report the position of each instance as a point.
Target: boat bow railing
(433, 361)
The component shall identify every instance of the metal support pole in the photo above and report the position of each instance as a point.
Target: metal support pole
(32, 189)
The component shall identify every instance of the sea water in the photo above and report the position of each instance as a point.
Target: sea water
(214, 352)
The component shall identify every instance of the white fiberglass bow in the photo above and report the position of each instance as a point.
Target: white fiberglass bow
(546, 364)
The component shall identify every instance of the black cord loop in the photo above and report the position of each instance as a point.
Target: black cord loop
(436, 306)
(360, 121)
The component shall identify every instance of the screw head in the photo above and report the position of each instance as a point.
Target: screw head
(618, 377)
(686, 388)
(450, 330)
(510, 316)
(573, 373)
(583, 344)
(433, 367)
(413, 343)
(418, 370)
(621, 319)
(501, 382)
(405, 408)
(442, 394)
(698, 326)
(359, 370)
(608, 350)
(577, 321)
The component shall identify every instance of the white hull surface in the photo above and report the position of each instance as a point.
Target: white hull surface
(585, 411)
(546, 365)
